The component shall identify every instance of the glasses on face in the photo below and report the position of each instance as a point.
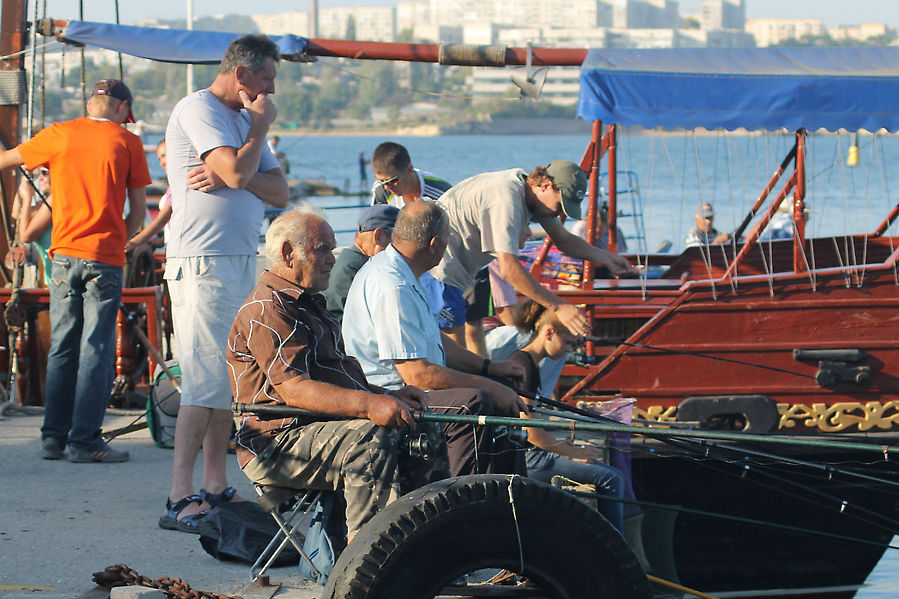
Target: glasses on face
(390, 181)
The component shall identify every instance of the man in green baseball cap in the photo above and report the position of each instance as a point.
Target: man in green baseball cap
(489, 213)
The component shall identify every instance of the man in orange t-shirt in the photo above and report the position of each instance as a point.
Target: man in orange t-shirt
(95, 163)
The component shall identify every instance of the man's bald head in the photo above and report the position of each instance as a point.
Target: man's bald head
(419, 223)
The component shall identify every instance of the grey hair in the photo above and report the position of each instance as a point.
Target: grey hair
(420, 225)
(249, 51)
(290, 226)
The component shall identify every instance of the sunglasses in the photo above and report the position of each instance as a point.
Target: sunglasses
(390, 181)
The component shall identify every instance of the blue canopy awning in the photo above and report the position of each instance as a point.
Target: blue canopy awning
(168, 45)
(754, 88)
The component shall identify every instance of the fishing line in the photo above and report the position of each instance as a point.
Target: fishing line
(695, 512)
(703, 448)
(603, 341)
(817, 497)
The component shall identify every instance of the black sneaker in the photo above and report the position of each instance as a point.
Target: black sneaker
(103, 455)
(51, 450)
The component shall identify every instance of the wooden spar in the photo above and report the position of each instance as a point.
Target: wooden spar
(448, 54)
(613, 190)
(886, 222)
(799, 260)
(592, 168)
(12, 41)
(791, 155)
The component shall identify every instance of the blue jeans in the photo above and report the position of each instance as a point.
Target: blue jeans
(84, 298)
(543, 465)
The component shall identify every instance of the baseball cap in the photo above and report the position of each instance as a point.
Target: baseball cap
(569, 179)
(379, 215)
(704, 210)
(115, 88)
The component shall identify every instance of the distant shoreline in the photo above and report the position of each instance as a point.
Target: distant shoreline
(513, 126)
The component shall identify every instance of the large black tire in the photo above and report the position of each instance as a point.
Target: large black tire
(428, 538)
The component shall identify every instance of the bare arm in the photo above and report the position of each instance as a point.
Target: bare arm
(422, 373)
(10, 158)
(33, 222)
(236, 166)
(542, 438)
(524, 282)
(153, 229)
(577, 247)
(383, 410)
(270, 186)
(460, 358)
(137, 210)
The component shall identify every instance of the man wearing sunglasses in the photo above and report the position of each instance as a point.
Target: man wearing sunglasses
(397, 182)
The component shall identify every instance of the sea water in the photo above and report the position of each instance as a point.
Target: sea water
(672, 174)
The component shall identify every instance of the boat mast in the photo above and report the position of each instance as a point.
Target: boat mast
(12, 93)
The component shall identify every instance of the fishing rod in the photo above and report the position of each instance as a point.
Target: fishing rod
(692, 447)
(603, 341)
(285, 411)
(665, 436)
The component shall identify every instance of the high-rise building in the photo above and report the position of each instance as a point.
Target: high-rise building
(645, 14)
(723, 14)
(768, 32)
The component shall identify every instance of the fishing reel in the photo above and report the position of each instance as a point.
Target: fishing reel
(517, 437)
(417, 446)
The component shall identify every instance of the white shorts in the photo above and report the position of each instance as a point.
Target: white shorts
(206, 292)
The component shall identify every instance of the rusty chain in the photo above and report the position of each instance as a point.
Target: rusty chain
(121, 575)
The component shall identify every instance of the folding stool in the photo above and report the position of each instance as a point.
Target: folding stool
(290, 522)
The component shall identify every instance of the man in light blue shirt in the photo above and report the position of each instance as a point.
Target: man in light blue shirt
(389, 327)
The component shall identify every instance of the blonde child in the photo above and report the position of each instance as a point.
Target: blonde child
(559, 457)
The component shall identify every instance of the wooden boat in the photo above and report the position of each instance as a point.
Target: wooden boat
(789, 346)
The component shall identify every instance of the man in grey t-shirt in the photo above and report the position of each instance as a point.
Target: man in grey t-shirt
(488, 214)
(221, 173)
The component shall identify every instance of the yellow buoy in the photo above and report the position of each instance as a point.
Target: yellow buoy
(852, 158)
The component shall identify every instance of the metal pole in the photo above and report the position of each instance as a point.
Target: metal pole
(190, 27)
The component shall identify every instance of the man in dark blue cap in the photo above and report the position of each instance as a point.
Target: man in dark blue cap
(373, 235)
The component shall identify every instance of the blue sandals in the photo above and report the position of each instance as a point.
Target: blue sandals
(190, 524)
(217, 499)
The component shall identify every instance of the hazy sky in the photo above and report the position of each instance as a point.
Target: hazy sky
(833, 12)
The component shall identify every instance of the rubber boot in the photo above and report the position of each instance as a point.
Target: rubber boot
(633, 534)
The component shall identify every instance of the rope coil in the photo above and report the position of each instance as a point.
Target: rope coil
(470, 55)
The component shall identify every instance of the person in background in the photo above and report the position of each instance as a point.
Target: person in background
(363, 174)
(704, 231)
(222, 175)
(375, 229)
(397, 182)
(149, 233)
(273, 142)
(35, 221)
(96, 165)
(602, 235)
(781, 225)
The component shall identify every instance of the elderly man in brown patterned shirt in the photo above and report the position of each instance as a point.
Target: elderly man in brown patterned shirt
(285, 348)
